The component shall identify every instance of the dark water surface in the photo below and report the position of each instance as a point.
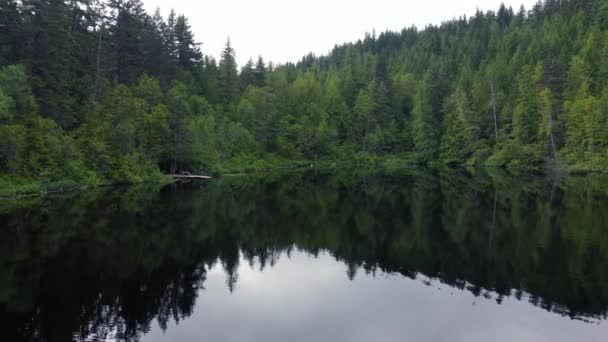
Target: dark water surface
(311, 256)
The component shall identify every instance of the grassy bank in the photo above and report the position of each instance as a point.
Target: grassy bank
(13, 187)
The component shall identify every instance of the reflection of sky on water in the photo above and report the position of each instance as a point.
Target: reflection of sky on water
(311, 299)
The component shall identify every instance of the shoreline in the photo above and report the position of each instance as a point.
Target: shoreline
(390, 163)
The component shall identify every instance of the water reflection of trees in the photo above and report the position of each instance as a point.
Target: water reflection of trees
(94, 264)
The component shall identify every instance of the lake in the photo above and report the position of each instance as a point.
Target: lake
(357, 255)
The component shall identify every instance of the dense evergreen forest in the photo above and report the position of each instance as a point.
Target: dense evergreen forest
(99, 91)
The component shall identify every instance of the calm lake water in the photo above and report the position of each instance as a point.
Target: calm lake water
(311, 256)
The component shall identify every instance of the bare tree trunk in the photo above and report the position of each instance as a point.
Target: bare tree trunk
(494, 109)
(175, 147)
(552, 138)
(98, 62)
(228, 152)
(98, 67)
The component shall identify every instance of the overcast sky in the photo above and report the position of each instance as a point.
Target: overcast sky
(283, 30)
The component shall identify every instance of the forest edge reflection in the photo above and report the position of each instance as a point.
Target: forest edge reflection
(94, 263)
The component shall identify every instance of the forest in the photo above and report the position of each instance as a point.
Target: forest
(99, 91)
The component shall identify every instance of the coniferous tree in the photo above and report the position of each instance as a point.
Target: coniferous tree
(210, 80)
(169, 36)
(248, 75)
(12, 33)
(187, 51)
(460, 131)
(50, 56)
(526, 115)
(546, 131)
(156, 55)
(427, 115)
(228, 75)
(259, 72)
(128, 55)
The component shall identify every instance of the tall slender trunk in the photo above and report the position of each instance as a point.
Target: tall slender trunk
(494, 109)
(99, 15)
(175, 147)
(552, 138)
(98, 63)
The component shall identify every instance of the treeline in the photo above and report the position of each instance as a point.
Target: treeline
(525, 89)
(92, 91)
(100, 91)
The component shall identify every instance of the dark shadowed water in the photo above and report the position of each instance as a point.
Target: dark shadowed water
(311, 256)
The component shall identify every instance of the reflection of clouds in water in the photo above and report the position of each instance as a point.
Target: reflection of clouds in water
(303, 298)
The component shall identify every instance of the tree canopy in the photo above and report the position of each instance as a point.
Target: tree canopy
(96, 91)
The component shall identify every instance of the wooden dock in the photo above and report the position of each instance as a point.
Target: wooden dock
(190, 177)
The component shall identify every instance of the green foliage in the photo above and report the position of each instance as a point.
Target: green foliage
(156, 133)
(587, 132)
(248, 75)
(199, 150)
(16, 99)
(89, 97)
(425, 126)
(228, 77)
(526, 115)
(6, 108)
(512, 156)
(187, 51)
(460, 132)
(234, 138)
(12, 148)
(135, 168)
